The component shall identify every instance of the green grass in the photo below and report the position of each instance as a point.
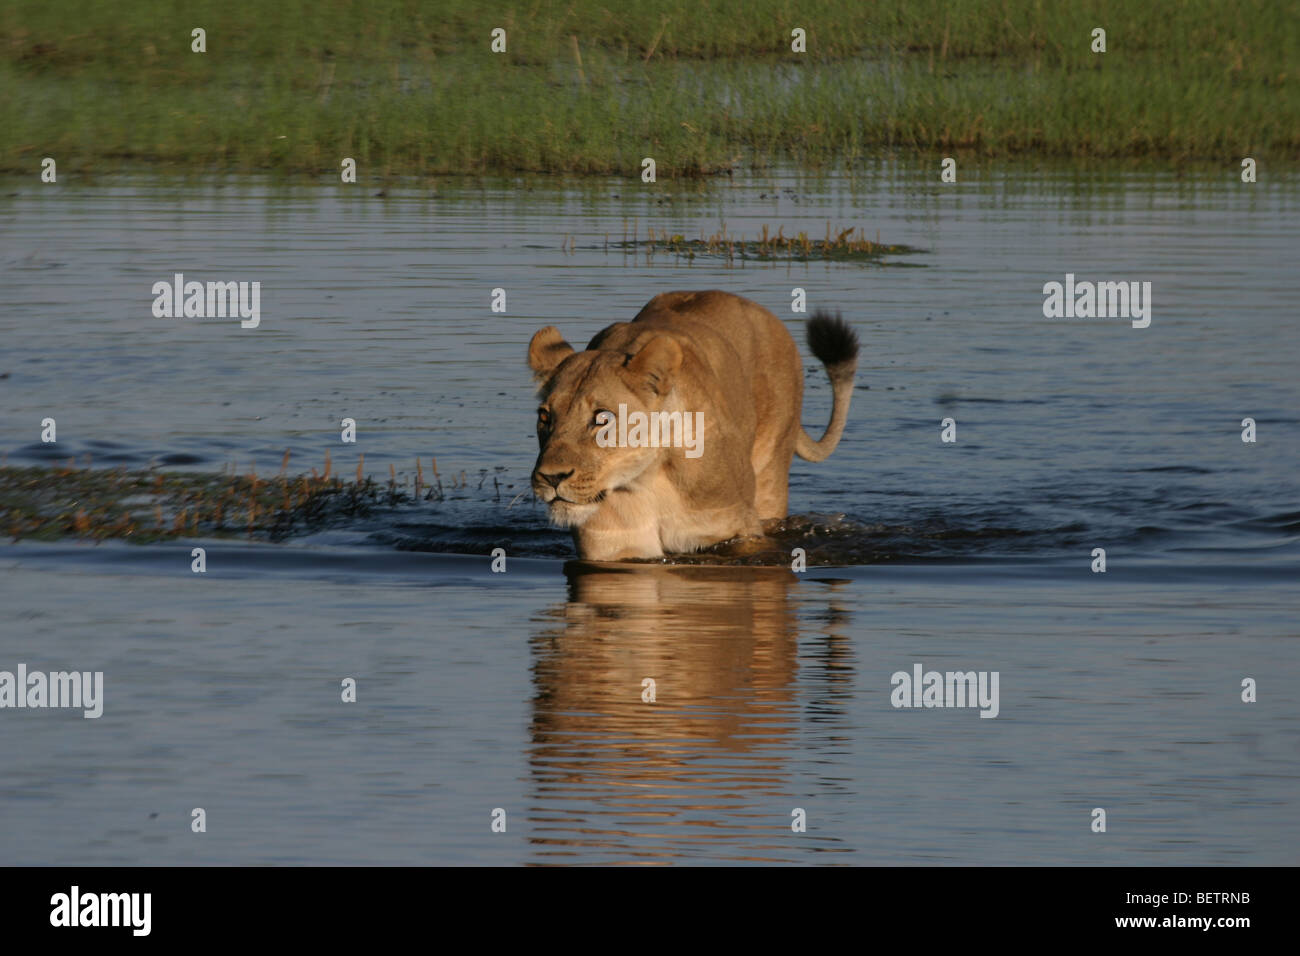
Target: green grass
(412, 88)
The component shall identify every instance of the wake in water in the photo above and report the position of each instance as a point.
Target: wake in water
(839, 540)
(477, 514)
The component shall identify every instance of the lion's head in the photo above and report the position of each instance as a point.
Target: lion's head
(580, 395)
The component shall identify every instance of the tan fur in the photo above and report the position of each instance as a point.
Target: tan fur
(709, 352)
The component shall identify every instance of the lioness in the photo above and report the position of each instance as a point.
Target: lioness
(686, 352)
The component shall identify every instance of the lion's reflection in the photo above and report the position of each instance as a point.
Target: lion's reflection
(710, 757)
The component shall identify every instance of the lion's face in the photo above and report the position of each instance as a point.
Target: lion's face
(580, 401)
(574, 472)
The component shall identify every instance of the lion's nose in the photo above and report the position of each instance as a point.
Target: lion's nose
(554, 478)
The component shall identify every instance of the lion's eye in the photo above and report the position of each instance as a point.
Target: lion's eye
(543, 418)
(602, 417)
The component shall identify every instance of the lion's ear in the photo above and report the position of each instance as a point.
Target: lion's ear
(656, 364)
(546, 351)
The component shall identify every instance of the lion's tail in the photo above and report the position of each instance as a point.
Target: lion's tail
(836, 345)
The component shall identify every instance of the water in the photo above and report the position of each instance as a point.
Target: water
(522, 691)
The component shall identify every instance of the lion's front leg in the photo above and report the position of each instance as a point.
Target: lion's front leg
(625, 526)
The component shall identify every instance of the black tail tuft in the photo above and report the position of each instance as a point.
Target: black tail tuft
(832, 340)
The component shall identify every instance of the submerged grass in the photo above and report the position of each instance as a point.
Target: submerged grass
(589, 87)
(845, 245)
(46, 503)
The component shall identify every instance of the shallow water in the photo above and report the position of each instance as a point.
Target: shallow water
(523, 690)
